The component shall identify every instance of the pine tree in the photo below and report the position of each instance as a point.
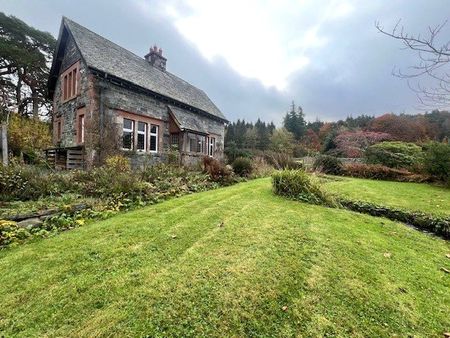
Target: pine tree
(294, 121)
(24, 66)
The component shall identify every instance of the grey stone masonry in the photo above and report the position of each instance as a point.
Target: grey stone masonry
(114, 84)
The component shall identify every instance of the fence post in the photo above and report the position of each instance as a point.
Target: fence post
(4, 143)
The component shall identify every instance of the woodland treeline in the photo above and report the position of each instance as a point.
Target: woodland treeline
(343, 138)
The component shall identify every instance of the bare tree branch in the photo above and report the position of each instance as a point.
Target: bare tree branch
(433, 64)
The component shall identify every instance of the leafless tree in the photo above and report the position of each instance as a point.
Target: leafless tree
(433, 65)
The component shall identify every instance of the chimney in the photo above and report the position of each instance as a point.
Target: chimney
(155, 58)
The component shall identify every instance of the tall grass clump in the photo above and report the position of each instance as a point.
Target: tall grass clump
(299, 185)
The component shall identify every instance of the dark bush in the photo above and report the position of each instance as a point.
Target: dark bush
(437, 161)
(232, 152)
(395, 155)
(217, 171)
(380, 172)
(299, 185)
(242, 166)
(328, 165)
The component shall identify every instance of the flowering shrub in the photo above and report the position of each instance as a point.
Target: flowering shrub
(353, 143)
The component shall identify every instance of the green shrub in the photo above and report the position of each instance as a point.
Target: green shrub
(118, 163)
(395, 155)
(12, 183)
(381, 172)
(437, 161)
(242, 166)
(299, 185)
(328, 165)
(281, 160)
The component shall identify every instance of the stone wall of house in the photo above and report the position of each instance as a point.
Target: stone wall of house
(119, 98)
(116, 98)
(67, 111)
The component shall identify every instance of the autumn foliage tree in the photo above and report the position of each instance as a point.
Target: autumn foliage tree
(401, 127)
(27, 136)
(354, 143)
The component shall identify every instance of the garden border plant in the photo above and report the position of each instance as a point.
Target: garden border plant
(301, 186)
(113, 187)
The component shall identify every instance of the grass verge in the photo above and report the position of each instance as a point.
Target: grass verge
(237, 261)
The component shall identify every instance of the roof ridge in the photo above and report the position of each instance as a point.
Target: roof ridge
(91, 31)
(129, 51)
(105, 55)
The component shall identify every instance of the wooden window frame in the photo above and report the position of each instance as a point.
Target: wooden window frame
(58, 129)
(70, 78)
(133, 124)
(138, 132)
(211, 146)
(200, 142)
(149, 121)
(153, 134)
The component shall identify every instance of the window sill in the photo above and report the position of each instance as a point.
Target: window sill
(69, 99)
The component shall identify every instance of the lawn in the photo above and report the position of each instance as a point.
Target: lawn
(410, 196)
(237, 261)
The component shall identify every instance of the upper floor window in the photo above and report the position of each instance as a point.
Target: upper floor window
(70, 83)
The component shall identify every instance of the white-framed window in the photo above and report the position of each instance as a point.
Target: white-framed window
(81, 128)
(128, 134)
(154, 130)
(212, 145)
(141, 136)
(196, 143)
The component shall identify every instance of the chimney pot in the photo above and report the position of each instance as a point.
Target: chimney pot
(155, 57)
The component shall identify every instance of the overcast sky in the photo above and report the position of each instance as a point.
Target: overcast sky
(254, 57)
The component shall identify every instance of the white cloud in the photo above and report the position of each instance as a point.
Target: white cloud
(266, 40)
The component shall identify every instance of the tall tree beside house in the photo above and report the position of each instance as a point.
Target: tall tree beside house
(25, 59)
(294, 121)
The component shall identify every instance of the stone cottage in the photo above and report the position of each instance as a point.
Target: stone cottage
(105, 97)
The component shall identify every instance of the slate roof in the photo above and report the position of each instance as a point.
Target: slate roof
(186, 120)
(104, 55)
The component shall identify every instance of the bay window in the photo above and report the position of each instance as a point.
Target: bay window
(196, 143)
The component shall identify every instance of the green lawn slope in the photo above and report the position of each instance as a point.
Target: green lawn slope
(232, 262)
(404, 195)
